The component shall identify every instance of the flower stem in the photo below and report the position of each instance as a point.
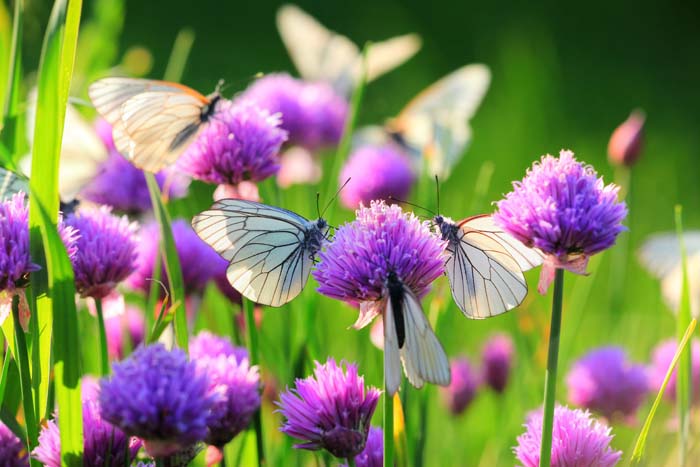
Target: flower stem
(388, 427)
(254, 360)
(104, 354)
(550, 381)
(25, 378)
(351, 461)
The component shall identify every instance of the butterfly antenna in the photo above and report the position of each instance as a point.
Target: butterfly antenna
(437, 189)
(392, 198)
(220, 86)
(318, 206)
(330, 201)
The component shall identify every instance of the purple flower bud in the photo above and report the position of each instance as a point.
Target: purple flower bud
(312, 113)
(13, 452)
(577, 440)
(133, 323)
(626, 141)
(106, 251)
(240, 143)
(661, 360)
(497, 357)
(207, 345)
(605, 381)
(330, 410)
(375, 172)
(159, 396)
(463, 386)
(15, 262)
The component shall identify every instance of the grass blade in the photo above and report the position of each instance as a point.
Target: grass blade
(179, 55)
(639, 446)
(684, 389)
(10, 129)
(170, 260)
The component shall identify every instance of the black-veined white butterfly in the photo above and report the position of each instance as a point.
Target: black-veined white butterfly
(323, 55)
(152, 121)
(485, 265)
(11, 183)
(661, 255)
(270, 250)
(409, 340)
(434, 127)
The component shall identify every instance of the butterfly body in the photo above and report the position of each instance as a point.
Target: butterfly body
(396, 296)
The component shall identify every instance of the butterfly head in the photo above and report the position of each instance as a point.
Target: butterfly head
(448, 229)
(315, 235)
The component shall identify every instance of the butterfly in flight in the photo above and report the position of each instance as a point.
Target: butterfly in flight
(485, 265)
(152, 121)
(409, 340)
(433, 128)
(11, 183)
(270, 250)
(323, 55)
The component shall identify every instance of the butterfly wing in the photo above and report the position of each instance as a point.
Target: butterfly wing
(434, 125)
(422, 355)
(485, 277)
(269, 262)
(392, 358)
(386, 55)
(152, 121)
(661, 254)
(11, 183)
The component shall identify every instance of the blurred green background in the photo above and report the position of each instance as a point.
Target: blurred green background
(564, 76)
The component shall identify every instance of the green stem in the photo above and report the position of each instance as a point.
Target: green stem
(351, 461)
(104, 354)
(25, 378)
(223, 457)
(388, 427)
(550, 381)
(254, 360)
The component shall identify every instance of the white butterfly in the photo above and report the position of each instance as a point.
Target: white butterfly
(485, 265)
(661, 256)
(434, 127)
(323, 55)
(11, 183)
(270, 250)
(152, 121)
(408, 340)
(82, 151)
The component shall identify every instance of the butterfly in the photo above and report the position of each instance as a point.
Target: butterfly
(270, 250)
(661, 255)
(409, 340)
(433, 129)
(82, 151)
(323, 55)
(485, 265)
(152, 121)
(11, 183)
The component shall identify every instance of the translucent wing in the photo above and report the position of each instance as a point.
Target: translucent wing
(434, 125)
(11, 183)
(266, 247)
(485, 277)
(82, 151)
(422, 354)
(392, 359)
(661, 253)
(323, 55)
(156, 128)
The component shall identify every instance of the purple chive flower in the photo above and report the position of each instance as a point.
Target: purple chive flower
(626, 141)
(565, 210)
(330, 410)
(240, 143)
(577, 440)
(496, 360)
(373, 453)
(13, 452)
(121, 185)
(207, 345)
(106, 250)
(238, 385)
(159, 396)
(133, 323)
(661, 360)
(102, 441)
(382, 240)
(312, 113)
(375, 172)
(463, 386)
(199, 261)
(605, 381)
